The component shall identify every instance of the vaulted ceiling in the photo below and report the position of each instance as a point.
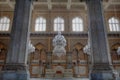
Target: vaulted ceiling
(44, 5)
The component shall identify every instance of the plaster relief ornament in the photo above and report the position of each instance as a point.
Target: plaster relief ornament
(118, 51)
(31, 48)
(87, 48)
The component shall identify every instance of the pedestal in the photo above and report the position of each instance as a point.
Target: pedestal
(14, 72)
(101, 76)
(101, 72)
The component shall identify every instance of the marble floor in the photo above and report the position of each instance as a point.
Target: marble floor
(61, 79)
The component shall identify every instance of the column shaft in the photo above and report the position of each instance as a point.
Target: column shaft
(20, 32)
(16, 67)
(98, 41)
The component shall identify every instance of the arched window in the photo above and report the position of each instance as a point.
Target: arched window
(58, 24)
(40, 24)
(114, 24)
(77, 24)
(4, 24)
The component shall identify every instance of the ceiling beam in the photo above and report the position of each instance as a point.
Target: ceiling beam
(85, 7)
(69, 4)
(115, 3)
(107, 4)
(32, 6)
(76, 3)
(3, 2)
(57, 3)
(49, 4)
(112, 3)
(10, 4)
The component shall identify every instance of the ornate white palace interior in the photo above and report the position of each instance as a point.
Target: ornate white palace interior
(60, 39)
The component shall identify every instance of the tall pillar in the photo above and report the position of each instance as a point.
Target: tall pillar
(101, 69)
(16, 67)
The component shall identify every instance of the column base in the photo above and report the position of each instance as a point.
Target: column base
(14, 72)
(102, 72)
(101, 76)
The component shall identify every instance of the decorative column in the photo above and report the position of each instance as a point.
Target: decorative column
(49, 60)
(101, 63)
(16, 67)
(69, 60)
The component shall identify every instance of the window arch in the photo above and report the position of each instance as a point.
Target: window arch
(58, 24)
(4, 24)
(77, 24)
(114, 24)
(40, 24)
